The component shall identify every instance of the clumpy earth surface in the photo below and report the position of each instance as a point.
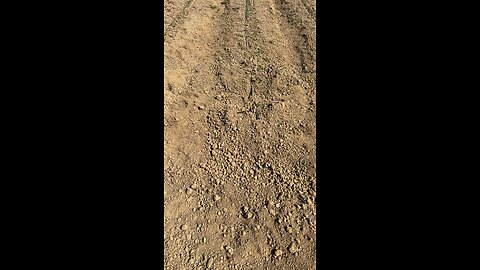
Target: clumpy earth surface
(240, 134)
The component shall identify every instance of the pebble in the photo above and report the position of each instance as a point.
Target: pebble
(184, 227)
(216, 197)
(293, 248)
(278, 253)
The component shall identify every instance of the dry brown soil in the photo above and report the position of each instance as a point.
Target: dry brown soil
(240, 134)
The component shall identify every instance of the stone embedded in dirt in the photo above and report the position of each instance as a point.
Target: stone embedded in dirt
(189, 191)
(184, 227)
(278, 253)
(293, 248)
(216, 198)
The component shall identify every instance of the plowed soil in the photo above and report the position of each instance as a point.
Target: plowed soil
(240, 134)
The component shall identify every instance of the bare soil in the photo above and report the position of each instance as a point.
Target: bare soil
(240, 134)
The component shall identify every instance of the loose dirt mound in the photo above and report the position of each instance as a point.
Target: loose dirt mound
(239, 179)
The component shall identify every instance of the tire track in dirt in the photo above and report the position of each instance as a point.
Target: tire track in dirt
(199, 74)
(273, 72)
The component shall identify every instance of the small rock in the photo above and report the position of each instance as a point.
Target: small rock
(216, 197)
(184, 227)
(293, 248)
(278, 253)
(189, 191)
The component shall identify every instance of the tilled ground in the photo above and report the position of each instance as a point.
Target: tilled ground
(239, 179)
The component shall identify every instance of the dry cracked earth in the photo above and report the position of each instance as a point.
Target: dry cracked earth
(240, 134)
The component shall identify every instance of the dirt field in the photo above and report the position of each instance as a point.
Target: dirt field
(240, 134)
